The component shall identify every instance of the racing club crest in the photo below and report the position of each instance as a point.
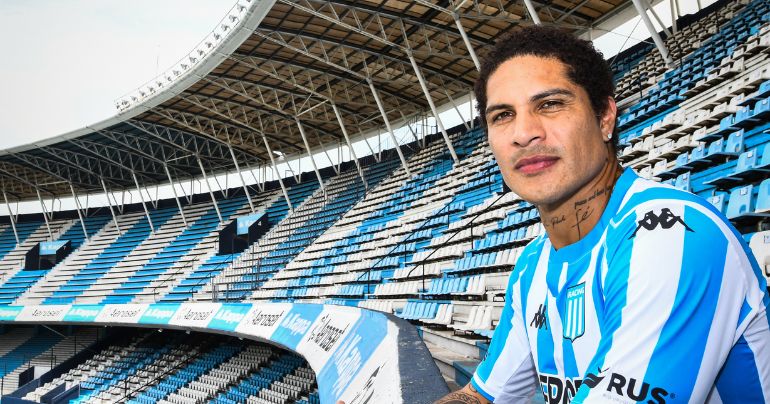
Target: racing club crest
(573, 323)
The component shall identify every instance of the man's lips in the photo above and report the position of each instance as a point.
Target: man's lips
(535, 164)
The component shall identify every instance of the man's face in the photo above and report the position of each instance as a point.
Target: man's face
(544, 134)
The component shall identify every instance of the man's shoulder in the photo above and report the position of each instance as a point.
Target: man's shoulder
(647, 198)
(654, 208)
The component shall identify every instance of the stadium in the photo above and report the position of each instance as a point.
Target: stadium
(374, 267)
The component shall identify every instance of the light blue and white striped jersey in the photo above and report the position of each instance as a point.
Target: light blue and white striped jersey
(661, 302)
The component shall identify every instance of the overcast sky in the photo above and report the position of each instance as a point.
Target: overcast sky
(64, 63)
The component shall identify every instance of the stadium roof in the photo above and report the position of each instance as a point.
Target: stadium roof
(279, 78)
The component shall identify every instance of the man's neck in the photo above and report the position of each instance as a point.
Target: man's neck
(571, 220)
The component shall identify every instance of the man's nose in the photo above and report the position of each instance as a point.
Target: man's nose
(527, 129)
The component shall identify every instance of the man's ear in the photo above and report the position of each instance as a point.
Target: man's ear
(608, 118)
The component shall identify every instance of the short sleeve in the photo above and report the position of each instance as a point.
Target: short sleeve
(507, 373)
(672, 294)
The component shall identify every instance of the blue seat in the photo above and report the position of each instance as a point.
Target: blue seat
(761, 110)
(718, 200)
(763, 197)
(740, 202)
(683, 181)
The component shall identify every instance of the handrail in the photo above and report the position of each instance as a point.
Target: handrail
(172, 276)
(224, 264)
(361, 193)
(424, 260)
(401, 243)
(189, 358)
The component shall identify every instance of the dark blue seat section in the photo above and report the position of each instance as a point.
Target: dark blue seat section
(300, 238)
(75, 233)
(8, 239)
(18, 284)
(111, 255)
(41, 341)
(262, 379)
(191, 371)
(173, 251)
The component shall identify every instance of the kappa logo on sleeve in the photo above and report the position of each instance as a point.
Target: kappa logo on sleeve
(665, 220)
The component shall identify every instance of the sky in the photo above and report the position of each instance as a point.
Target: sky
(65, 63)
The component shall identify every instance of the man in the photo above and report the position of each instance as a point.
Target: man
(637, 292)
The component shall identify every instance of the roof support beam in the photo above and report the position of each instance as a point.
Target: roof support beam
(176, 197)
(310, 91)
(433, 108)
(350, 146)
(460, 28)
(395, 15)
(532, 12)
(651, 29)
(211, 193)
(77, 208)
(144, 205)
(390, 129)
(243, 182)
(345, 74)
(12, 216)
(657, 18)
(310, 154)
(415, 68)
(55, 169)
(188, 142)
(277, 174)
(109, 203)
(45, 215)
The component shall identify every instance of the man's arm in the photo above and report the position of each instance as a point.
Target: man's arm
(466, 395)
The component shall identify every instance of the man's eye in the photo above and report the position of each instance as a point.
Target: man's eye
(501, 116)
(551, 104)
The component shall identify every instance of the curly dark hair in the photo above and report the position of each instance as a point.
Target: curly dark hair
(585, 65)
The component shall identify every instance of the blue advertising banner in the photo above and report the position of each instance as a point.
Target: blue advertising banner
(9, 313)
(159, 313)
(346, 362)
(51, 247)
(83, 313)
(295, 325)
(229, 316)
